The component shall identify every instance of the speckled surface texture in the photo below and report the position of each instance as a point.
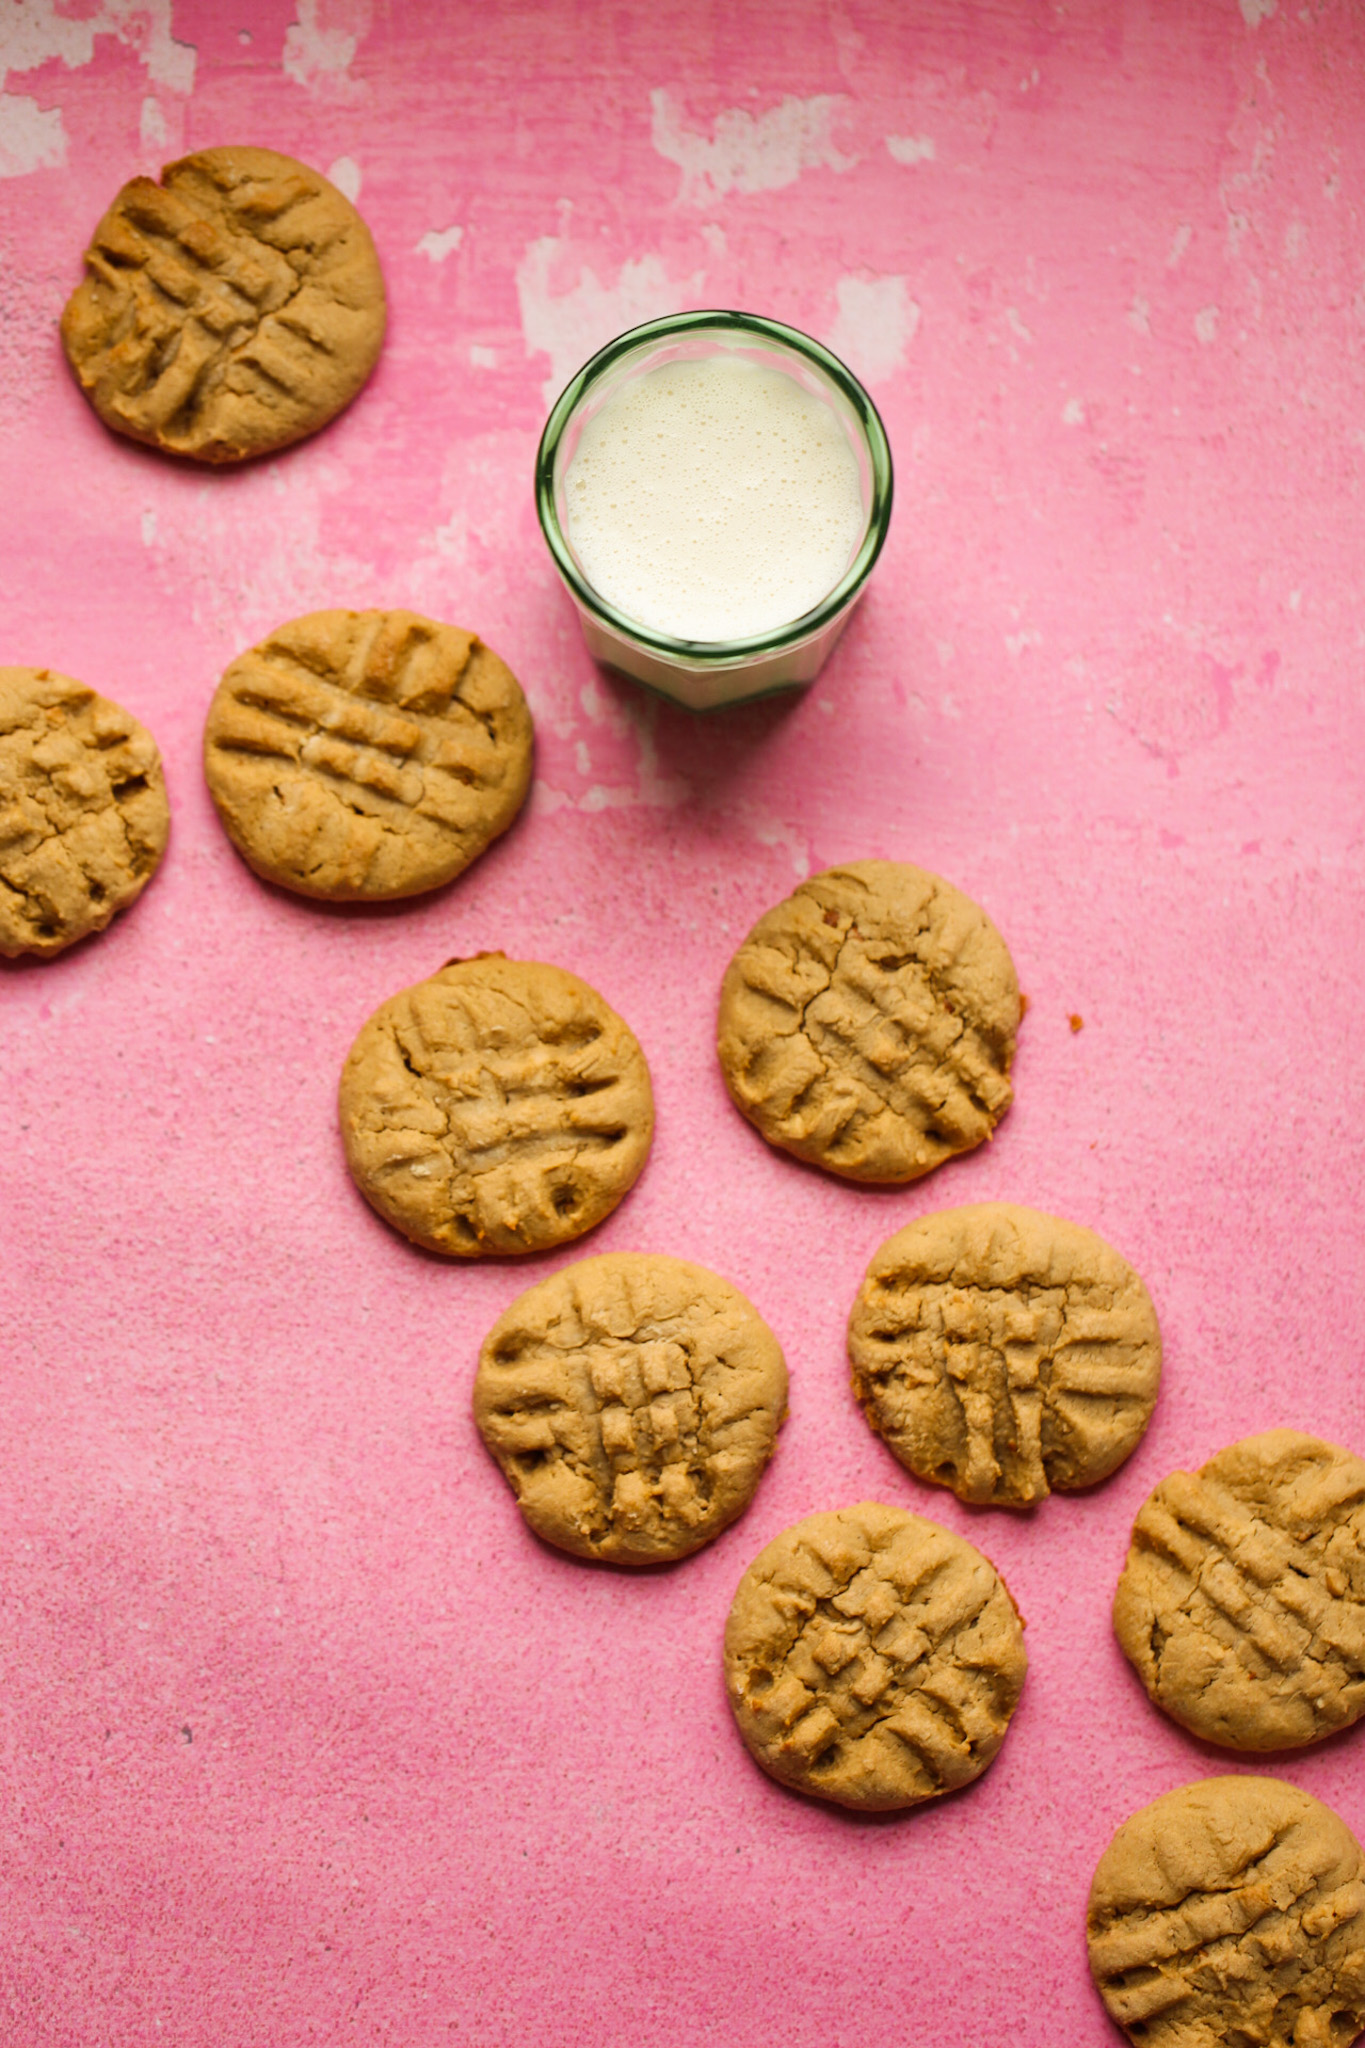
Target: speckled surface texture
(306, 1739)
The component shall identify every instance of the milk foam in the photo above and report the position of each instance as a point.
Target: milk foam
(714, 499)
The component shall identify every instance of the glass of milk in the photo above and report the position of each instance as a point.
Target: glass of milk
(714, 489)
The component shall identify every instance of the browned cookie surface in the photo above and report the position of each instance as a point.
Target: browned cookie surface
(632, 1402)
(364, 755)
(501, 1106)
(1004, 1353)
(1231, 1912)
(1242, 1601)
(83, 813)
(228, 310)
(867, 1023)
(873, 1658)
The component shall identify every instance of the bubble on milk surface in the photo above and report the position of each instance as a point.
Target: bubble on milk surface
(714, 499)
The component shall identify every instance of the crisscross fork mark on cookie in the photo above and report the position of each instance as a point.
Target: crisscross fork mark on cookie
(231, 308)
(1003, 1353)
(873, 1658)
(867, 1024)
(857, 1025)
(500, 1106)
(1242, 1610)
(632, 1402)
(83, 813)
(1005, 1363)
(1232, 1910)
(367, 754)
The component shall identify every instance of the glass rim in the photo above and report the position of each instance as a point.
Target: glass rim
(706, 652)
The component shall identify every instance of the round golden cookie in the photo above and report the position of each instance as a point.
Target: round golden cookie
(867, 1024)
(83, 812)
(1231, 1912)
(873, 1658)
(1242, 1602)
(364, 755)
(1004, 1353)
(500, 1106)
(231, 309)
(632, 1402)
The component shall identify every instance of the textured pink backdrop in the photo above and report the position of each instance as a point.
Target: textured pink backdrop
(304, 1740)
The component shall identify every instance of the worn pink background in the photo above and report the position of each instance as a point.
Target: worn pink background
(304, 1740)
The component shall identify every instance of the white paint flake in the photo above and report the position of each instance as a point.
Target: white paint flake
(912, 149)
(877, 321)
(1073, 413)
(570, 326)
(1254, 12)
(1018, 644)
(345, 175)
(37, 32)
(1180, 242)
(320, 47)
(1206, 325)
(620, 721)
(34, 32)
(747, 152)
(438, 243)
(1139, 315)
(32, 138)
(152, 127)
(482, 358)
(781, 837)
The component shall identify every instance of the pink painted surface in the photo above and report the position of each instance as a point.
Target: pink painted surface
(304, 1739)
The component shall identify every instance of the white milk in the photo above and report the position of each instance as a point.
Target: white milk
(714, 499)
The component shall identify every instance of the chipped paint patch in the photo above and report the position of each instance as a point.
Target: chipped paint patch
(39, 33)
(152, 127)
(877, 322)
(625, 736)
(1073, 413)
(912, 149)
(438, 243)
(1018, 644)
(320, 46)
(32, 138)
(1206, 325)
(1254, 12)
(748, 152)
(570, 325)
(345, 175)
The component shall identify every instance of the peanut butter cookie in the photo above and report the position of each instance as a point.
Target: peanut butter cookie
(873, 1658)
(231, 309)
(1242, 1603)
(500, 1106)
(364, 755)
(1004, 1353)
(1228, 1912)
(83, 813)
(632, 1402)
(867, 1024)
